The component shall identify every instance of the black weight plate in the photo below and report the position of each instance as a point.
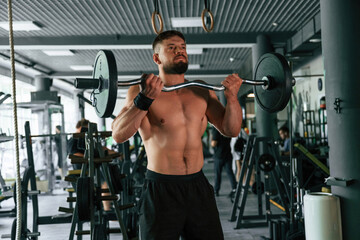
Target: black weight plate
(99, 232)
(14, 193)
(116, 177)
(13, 230)
(266, 162)
(83, 198)
(276, 97)
(104, 98)
(254, 188)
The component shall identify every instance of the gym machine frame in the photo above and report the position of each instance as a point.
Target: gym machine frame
(6, 191)
(272, 166)
(131, 191)
(98, 229)
(29, 177)
(46, 110)
(132, 185)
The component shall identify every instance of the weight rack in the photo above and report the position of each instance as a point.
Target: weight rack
(250, 162)
(91, 171)
(29, 180)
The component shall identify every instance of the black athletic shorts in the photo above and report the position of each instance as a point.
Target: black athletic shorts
(172, 206)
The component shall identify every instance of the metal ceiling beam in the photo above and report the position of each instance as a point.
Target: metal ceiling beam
(216, 40)
(5, 71)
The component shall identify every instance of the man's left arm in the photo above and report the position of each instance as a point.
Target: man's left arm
(227, 120)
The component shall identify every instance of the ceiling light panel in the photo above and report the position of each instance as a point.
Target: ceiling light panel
(59, 52)
(194, 51)
(186, 22)
(194, 66)
(21, 26)
(81, 67)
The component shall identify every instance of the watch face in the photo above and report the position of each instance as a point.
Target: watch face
(320, 85)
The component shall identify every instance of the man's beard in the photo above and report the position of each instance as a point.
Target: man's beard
(176, 68)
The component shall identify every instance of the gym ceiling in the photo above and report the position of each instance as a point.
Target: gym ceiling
(124, 26)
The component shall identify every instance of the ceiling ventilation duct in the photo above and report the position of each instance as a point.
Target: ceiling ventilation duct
(43, 93)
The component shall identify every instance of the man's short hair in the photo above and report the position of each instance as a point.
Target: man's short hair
(284, 129)
(82, 123)
(166, 35)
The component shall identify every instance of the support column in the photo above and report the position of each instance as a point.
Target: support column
(341, 52)
(265, 122)
(79, 108)
(43, 83)
(101, 124)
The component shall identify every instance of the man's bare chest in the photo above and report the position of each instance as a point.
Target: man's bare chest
(178, 109)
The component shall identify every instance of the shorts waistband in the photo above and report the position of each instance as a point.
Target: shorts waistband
(151, 175)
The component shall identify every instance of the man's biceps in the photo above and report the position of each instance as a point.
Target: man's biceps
(215, 112)
(210, 117)
(215, 104)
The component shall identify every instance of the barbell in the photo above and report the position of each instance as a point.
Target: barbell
(272, 88)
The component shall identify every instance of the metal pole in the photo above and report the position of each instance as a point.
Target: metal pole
(291, 169)
(340, 46)
(265, 122)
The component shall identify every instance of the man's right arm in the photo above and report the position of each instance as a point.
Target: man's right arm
(130, 118)
(127, 123)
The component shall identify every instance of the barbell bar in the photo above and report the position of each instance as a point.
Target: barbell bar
(92, 83)
(309, 75)
(272, 92)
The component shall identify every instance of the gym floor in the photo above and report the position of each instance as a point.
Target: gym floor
(49, 205)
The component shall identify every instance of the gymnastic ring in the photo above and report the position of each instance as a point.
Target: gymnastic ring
(160, 22)
(211, 18)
